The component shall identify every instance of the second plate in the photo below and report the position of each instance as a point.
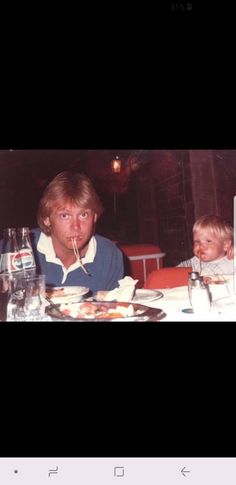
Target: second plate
(142, 295)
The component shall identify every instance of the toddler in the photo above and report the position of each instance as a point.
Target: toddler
(212, 247)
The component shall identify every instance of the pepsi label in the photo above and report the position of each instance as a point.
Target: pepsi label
(11, 262)
(27, 259)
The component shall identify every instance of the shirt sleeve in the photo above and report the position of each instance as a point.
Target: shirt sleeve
(116, 272)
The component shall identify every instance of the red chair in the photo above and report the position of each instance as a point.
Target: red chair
(167, 278)
(140, 259)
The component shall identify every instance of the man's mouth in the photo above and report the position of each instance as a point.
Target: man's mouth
(78, 238)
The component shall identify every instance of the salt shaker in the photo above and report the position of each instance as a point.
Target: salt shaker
(191, 277)
(200, 297)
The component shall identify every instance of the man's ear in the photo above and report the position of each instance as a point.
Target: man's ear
(46, 222)
(95, 217)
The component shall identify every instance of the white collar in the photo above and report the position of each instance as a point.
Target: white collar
(45, 246)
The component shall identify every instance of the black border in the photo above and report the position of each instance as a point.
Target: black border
(157, 389)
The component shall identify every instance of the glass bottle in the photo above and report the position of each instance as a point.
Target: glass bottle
(4, 294)
(10, 258)
(26, 251)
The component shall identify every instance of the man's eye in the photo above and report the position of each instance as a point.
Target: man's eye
(64, 215)
(84, 215)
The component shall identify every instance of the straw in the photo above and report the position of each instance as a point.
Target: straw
(200, 264)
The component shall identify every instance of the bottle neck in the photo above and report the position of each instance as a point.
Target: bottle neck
(10, 244)
(24, 238)
(10, 261)
(23, 232)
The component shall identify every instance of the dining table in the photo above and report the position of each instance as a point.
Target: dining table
(176, 306)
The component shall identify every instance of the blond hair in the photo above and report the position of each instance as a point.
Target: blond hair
(75, 188)
(218, 226)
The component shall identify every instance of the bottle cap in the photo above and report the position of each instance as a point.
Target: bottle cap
(23, 230)
(8, 231)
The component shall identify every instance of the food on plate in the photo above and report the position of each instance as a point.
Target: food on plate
(66, 292)
(124, 292)
(101, 311)
(55, 292)
(214, 280)
(101, 295)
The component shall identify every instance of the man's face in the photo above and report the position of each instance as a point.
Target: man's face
(68, 221)
(208, 247)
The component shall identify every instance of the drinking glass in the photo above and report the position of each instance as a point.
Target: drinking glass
(8, 285)
(231, 285)
(27, 302)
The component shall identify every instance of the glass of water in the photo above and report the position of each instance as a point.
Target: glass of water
(8, 285)
(27, 302)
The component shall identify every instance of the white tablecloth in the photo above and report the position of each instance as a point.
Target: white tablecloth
(176, 299)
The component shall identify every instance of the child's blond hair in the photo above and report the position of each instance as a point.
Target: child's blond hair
(218, 226)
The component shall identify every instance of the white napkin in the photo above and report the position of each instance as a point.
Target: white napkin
(124, 292)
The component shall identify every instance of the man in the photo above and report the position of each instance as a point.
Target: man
(66, 249)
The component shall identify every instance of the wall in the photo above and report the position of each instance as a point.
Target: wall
(225, 178)
(23, 176)
(205, 196)
(174, 204)
(175, 187)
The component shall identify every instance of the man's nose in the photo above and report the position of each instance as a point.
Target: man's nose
(76, 222)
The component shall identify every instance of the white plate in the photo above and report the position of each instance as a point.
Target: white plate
(66, 294)
(142, 295)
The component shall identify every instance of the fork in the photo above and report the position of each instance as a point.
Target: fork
(54, 306)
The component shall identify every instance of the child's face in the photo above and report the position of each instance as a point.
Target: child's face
(207, 246)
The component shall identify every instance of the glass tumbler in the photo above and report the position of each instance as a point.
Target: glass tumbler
(8, 285)
(27, 302)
